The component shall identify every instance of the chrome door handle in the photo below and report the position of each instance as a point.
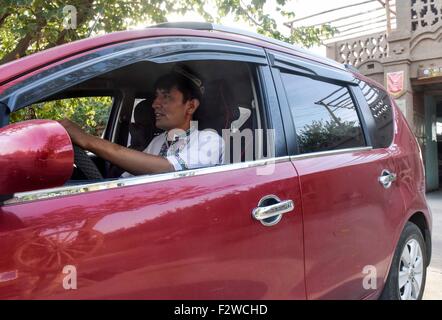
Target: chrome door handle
(272, 213)
(387, 178)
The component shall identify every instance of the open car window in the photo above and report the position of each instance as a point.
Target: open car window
(231, 106)
(91, 113)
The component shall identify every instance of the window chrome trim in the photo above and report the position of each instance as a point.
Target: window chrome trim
(329, 153)
(24, 197)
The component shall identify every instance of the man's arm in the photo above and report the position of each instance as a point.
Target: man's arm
(134, 162)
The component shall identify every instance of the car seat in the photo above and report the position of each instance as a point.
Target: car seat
(218, 111)
(142, 131)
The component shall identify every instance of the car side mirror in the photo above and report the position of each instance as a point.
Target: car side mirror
(35, 154)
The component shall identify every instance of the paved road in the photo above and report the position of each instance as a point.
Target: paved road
(433, 288)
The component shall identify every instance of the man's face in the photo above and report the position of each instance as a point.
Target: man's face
(170, 110)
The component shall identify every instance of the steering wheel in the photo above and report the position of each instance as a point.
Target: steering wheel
(85, 164)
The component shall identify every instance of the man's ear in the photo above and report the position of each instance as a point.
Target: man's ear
(192, 106)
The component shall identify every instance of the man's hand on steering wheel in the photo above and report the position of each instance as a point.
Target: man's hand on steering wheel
(77, 134)
(80, 141)
(132, 161)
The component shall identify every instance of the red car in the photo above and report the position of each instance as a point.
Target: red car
(324, 198)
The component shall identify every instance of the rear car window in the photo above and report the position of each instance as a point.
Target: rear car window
(324, 114)
(91, 113)
(380, 107)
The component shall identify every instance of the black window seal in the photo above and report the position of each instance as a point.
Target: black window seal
(305, 67)
(271, 110)
(4, 115)
(284, 108)
(365, 116)
(112, 120)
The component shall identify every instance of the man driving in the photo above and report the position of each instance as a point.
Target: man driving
(182, 146)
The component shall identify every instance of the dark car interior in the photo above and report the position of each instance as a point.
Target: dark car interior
(229, 103)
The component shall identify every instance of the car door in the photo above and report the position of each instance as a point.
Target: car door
(181, 235)
(349, 216)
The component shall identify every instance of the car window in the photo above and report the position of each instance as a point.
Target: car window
(91, 113)
(380, 107)
(324, 114)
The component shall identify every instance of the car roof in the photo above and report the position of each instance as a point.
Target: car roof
(20, 67)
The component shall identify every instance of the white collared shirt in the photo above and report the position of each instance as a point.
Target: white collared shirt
(196, 149)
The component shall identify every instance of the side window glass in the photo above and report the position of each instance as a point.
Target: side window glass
(92, 113)
(324, 114)
(380, 106)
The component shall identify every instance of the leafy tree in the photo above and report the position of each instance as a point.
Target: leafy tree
(91, 112)
(28, 26)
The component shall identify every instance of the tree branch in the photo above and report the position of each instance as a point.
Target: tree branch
(81, 18)
(24, 43)
(251, 18)
(3, 17)
(19, 50)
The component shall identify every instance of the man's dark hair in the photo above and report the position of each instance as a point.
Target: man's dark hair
(182, 83)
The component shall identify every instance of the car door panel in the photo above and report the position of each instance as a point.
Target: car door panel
(349, 222)
(349, 217)
(192, 237)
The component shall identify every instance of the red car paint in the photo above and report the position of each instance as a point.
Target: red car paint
(144, 242)
(339, 222)
(195, 238)
(31, 150)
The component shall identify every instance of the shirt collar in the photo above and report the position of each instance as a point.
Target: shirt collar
(182, 135)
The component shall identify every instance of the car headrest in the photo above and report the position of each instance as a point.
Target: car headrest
(143, 129)
(217, 110)
(144, 113)
(241, 118)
